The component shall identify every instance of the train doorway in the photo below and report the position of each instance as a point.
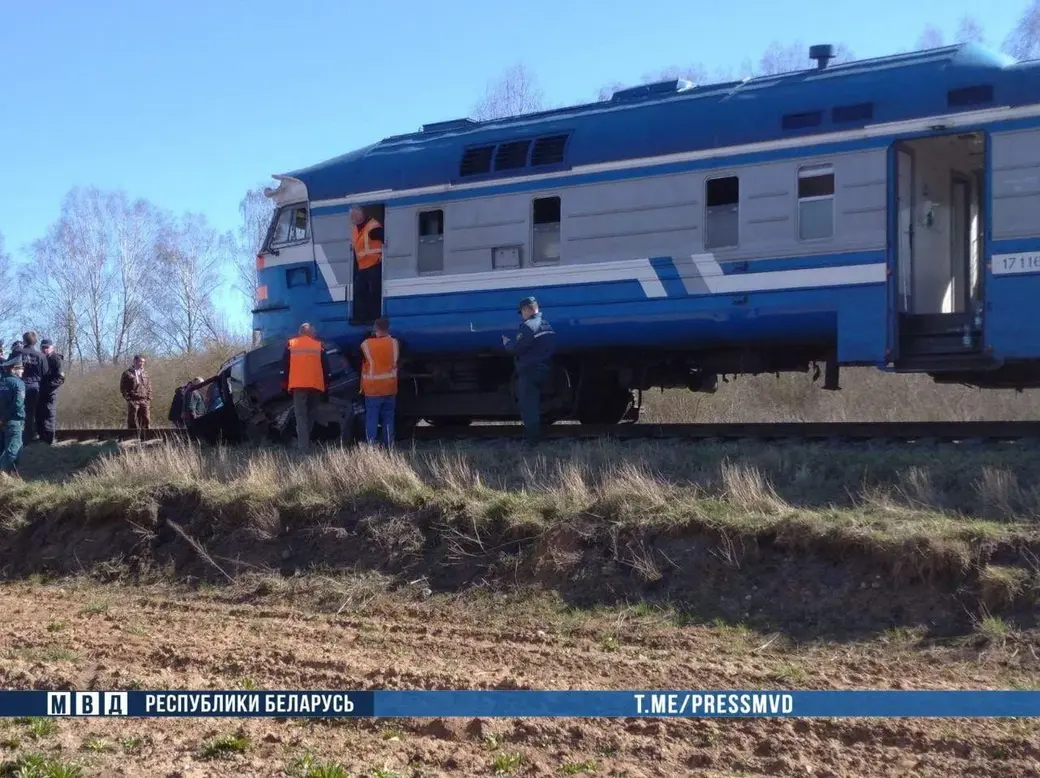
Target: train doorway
(938, 221)
(366, 304)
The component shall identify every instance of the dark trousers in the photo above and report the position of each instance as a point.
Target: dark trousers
(32, 400)
(47, 415)
(10, 445)
(368, 294)
(379, 416)
(529, 385)
(137, 414)
(305, 401)
(346, 419)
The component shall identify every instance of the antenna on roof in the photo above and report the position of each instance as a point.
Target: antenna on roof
(822, 54)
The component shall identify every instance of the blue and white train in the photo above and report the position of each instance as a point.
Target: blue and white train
(881, 212)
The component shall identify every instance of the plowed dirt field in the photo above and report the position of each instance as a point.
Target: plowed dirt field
(85, 635)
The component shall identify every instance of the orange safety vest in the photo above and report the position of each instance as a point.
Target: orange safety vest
(305, 371)
(368, 250)
(379, 366)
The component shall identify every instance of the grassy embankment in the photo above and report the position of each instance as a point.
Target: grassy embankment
(805, 536)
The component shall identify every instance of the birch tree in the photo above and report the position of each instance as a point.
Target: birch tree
(135, 231)
(54, 289)
(513, 93)
(1023, 42)
(255, 211)
(10, 299)
(184, 284)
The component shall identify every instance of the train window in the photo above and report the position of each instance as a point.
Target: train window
(546, 248)
(290, 226)
(815, 202)
(721, 212)
(297, 276)
(431, 241)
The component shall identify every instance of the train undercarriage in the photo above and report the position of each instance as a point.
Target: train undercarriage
(246, 402)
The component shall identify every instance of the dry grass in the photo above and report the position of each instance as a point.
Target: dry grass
(921, 510)
(743, 483)
(867, 395)
(90, 396)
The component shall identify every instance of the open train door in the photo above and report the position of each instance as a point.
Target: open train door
(936, 232)
(900, 242)
(366, 304)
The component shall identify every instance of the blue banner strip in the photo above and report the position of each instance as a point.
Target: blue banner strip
(523, 704)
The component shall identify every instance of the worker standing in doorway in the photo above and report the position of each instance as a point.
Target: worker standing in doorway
(379, 357)
(12, 414)
(532, 350)
(305, 366)
(367, 238)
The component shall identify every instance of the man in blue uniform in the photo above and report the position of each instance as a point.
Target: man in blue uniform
(12, 414)
(533, 350)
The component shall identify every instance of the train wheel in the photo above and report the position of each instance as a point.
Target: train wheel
(606, 406)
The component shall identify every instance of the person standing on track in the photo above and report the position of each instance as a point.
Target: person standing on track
(12, 414)
(367, 237)
(533, 349)
(47, 405)
(136, 387)
(305, 365)
(380, 355)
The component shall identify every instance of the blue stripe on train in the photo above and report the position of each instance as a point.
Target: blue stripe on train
(851, 316)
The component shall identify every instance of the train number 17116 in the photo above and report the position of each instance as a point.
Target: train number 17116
(1016, 263)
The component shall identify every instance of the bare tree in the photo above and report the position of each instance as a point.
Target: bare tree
(187, 273)
(779, 58)
(55, 288)
(607, 92)
(515, 92)
(135, 227)
(931, 38)
(969, 30)
(84, 227)
(256, 210)
(1023, 42)
(10, 300)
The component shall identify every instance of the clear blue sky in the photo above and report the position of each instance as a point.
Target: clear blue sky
(189, 103)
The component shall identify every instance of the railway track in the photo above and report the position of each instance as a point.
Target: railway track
(964, 431)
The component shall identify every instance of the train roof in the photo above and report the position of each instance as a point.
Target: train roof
(675, 116)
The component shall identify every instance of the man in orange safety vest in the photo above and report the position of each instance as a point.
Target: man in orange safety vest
(367, 239)
(379, 357)
(305, 366)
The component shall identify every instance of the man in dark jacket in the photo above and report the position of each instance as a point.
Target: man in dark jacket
(12, 414)
(136, 387)
(47, 405)
(533, 350)
(34, 365)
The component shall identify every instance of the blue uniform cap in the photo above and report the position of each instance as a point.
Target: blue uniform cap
(15, 361)
(525, 302)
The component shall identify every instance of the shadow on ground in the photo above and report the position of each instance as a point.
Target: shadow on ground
(56, 463)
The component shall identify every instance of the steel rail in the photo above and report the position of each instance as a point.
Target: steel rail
(765, 431)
